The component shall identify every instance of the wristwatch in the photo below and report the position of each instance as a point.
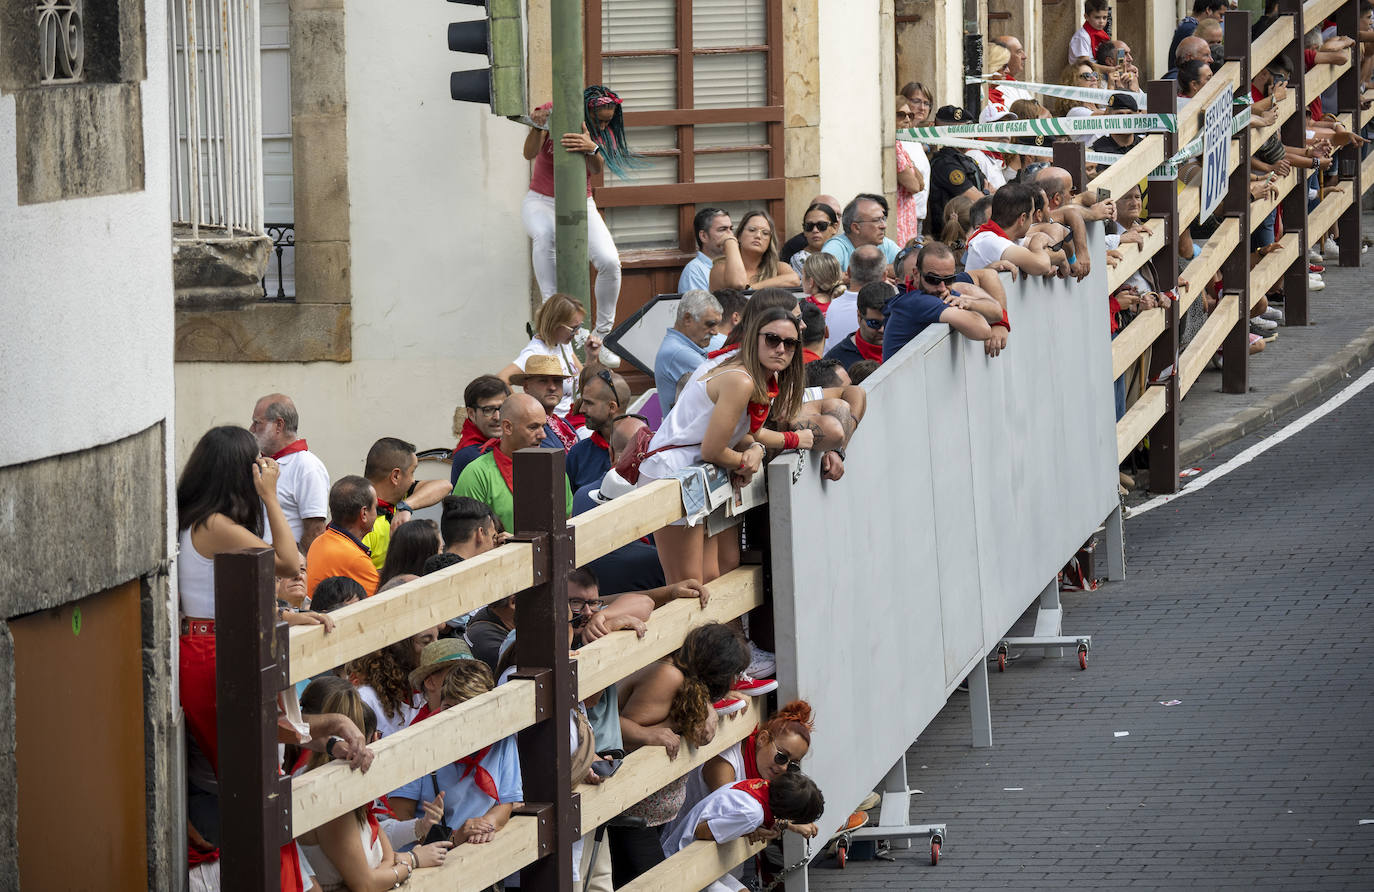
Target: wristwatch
(404, 506)
(329, 746)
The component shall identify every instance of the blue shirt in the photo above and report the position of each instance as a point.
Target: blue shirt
(909, 314)
(840, 247)
(461, 459)
(676, 357)
(633, 567)
(462, 799)
(587, 463)
(845, 352)
(696, 274)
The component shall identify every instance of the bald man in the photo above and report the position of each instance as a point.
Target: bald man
(1189, 49)
(490, 478)
(303, 484)
(798, 241)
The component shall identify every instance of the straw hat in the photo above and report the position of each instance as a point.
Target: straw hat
(540, 364)
(434, 657)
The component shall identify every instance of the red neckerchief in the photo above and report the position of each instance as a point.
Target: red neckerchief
(380, 808)
(374, 827)
(489, 445)
(505, 466)
(575, 421)
(758, 412)
(471, 435)
(987, 227)
(385, 508)
(561, 429)
(809, 356)
(996, 156)
(298, 446)
(1099, 37)
(867, 350)
(300, 761)
(749, 750)
(728, 348)
(758, 789)
(601, 441)
(423, 714)
(995, 96)
(811, 298)
(480, 776)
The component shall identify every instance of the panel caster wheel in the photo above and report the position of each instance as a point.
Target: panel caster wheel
(841, 855)
(935, 850)
(1082, 656)
(1001, 658)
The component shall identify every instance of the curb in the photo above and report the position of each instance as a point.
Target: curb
(1299, 392)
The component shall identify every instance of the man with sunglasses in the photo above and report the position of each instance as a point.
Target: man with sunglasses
(604, 397)
(867, 341)
(965, 307)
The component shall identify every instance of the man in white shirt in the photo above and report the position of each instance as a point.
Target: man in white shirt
(1002, 95)
(303, 483)
(867, 264)
(999, 238)
(712, 227)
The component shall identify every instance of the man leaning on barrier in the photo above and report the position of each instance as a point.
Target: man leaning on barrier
(964, 307)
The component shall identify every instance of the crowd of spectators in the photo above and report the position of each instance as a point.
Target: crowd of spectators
(770, 342)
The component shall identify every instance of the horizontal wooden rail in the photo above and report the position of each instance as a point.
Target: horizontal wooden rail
(1260, 209)
(1204, 266)
(479, 866)
(1189, 204)
(1138, 420)
(695, 867)
(605, 528)
(1321, 77)
(1226, 80)
(1286, 110)
(1133, 167)
(333, 789)
(1315, 12)
(1135, 339)
(648, 769)
(609, 659)
(1271, 43)
(409, 609)
(1135, 256)
(1272, 266)
(1324, 216)
(1207, 341)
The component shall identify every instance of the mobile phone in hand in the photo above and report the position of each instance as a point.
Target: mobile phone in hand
(606, 767)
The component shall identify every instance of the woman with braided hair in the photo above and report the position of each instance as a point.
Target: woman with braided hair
(602, 142)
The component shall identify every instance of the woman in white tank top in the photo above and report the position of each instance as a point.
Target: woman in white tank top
(718, 418)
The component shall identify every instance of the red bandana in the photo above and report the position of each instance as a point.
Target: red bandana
(471, 436)
(987, 227)
(386, 509)
(1098, 37)
(480, 776)
(995, 96)
(601, 441)
(505, 466)
(423, 714)
(809, 356)
(728, 348)
(867, 350)
(759, 790)
(749, 750)
(298, 446)
(561, 429)
(373, 826)
(811, 298)
(758, 412)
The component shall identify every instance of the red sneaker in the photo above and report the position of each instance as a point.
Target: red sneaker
(753, 687)
(1315, 268)
(729, 706)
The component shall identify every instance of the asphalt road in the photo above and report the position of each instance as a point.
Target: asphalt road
(1251, 602)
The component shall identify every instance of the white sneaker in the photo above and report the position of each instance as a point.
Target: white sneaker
(1314, 256)
(762, 663)
(1259, 323)
(1314, 283)
(1273, 313)
(1330, 248)
(607, 358)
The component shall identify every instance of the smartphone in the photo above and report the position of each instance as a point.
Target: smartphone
(1120, 55)
(605, 767)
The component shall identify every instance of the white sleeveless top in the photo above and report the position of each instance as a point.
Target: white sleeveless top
(327, 875)
(195, 579)
(697, 789)
(686, 427)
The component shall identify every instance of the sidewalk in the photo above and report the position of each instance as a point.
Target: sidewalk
(1292, 371)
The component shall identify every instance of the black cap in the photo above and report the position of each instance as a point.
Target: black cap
(951, 114)
(1123, 102)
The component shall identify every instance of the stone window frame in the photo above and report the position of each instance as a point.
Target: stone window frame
(317, 325)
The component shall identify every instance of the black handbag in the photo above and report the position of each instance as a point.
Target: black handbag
(440, 832)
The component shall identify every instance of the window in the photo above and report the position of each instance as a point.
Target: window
(702, 86)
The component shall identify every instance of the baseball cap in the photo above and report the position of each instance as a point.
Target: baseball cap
(1123, 102)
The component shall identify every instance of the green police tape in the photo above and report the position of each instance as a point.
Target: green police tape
(1059, 91)
(1137, 123)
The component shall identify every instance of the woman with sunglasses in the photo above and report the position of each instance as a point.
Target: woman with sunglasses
(819, 223)
(910, 180)
(1080, 74)
(719, 418)
(556, 325)
(750, 259)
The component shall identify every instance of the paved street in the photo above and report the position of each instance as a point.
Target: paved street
(1249, 602)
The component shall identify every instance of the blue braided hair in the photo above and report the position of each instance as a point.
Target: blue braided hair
(615, 149)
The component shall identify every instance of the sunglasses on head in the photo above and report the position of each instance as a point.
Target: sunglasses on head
(775, 341)
(816, 226)
(933, 279)
(606, 376)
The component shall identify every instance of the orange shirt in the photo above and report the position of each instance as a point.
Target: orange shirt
(335, 553)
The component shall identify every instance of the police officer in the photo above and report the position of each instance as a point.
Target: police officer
(951, 172)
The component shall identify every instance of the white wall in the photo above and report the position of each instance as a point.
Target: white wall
(440, 260)
(851, 130)
(86, 298)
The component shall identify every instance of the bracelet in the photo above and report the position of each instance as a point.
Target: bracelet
(329, 746)
(790, 440)
(397, 874)
(415, 827)
(840, 453)
(414, 861)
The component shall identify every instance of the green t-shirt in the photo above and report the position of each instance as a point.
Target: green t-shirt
(482, 480)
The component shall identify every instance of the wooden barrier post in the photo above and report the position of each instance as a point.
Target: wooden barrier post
(254, 800)
(1347, 18)
(541, 653)
(1162, 98)
(1235, 271)
(1071, 155)
(1294, 204)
